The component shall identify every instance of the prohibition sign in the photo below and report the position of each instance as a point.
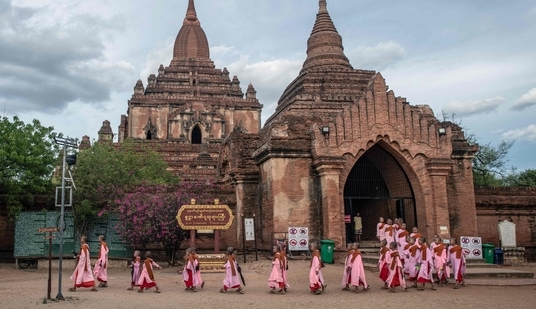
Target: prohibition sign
(466, 240)
(293, 242)
(293, 231)
(303, 242)
(476, 252)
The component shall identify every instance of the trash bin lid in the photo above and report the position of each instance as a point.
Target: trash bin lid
(327, 241)
(488, 246)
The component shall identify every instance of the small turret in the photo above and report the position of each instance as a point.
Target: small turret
(139, 89)
(251, 93)
(105, 133)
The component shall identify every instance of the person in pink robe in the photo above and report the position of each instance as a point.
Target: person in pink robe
(146, 280)
(232, 279)
(284, 262)
(380, 230)
(101, 267)
(347, 272)
(413, 254)
(136, 270)
(401, 240)
(439, 253)
(316, 280)
(189, 274)
(382, 263)
(457, 262)
(357, 273)
(275, 281)
(426, 264)
(197, 267)
(396, 275)
(390, 232)
(82, 275)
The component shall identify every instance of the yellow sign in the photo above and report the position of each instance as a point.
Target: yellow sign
(205, 217)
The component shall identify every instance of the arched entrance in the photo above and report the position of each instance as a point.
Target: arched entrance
(377, 186)
(196, 135)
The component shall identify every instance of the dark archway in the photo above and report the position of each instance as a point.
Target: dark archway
(377, 186)
(196, 135)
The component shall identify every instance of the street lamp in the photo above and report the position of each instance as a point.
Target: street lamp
(65, 142)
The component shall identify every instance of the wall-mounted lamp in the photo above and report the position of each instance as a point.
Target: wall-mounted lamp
(442, 131)
(325, 130)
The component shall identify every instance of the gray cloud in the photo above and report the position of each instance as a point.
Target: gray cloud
(44, 65)
(527, 133)
(378, 57)
(467, 108)
(525, 101)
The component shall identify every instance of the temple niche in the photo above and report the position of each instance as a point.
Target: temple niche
(339, 142)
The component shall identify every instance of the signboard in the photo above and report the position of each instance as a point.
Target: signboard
(29, 240)
(250, 228)
(347, 219)
(472, 247)
(507, 233)
(298, 238)
(205, 217)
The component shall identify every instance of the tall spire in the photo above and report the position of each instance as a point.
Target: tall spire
(324, 46)
(191, 15)
(191, 42)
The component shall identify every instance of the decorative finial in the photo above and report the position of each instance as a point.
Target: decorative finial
(323, 6)
(191, 13)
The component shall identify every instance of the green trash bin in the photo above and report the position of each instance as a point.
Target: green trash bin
(326, 250)
(488, 252)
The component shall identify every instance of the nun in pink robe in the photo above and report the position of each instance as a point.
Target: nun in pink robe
(316, 280)
(357, 277)
(82, 275)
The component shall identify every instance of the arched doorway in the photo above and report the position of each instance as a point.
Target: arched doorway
(377, 186)
(196, 135)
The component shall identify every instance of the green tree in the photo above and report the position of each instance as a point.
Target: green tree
(489, 164)
(526, 178)
(104, 170)
(28, 156)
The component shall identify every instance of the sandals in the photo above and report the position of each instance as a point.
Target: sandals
(72, 289)
(223, 291)
(392, 291)
(272, 292)
(157, 291)
(240, 291)
(93, 289)
(130, 289)
(203, 284)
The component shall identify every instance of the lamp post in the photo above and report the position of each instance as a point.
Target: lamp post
(65, 142)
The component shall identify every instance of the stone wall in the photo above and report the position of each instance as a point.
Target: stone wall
(516, 204)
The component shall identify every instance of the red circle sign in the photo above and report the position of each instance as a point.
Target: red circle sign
(293, 242)
(303, 242)
(476, 252)
(293, 231)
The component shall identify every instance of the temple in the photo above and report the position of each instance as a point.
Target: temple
(339, 142)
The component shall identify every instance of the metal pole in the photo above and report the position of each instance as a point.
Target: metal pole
(244, 236)
(255, 234)
(62, 222)
(49, 289)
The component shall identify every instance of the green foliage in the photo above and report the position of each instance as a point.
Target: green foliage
(526, 178)
(103, 170)
(27, 159)
(489, 164)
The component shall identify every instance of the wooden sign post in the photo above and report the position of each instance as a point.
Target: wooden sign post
(49, 230)
(205, 217)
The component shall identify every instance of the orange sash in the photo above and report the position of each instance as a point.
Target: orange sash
(355, 254)
(438, 249)
(390, 229)
(381, 226)
(423, 252)
(413, 250)
(383, 251)
(458, 250)
(394, 255)
(232, 262)
(403, 234)
(85, 249)
(149, 267)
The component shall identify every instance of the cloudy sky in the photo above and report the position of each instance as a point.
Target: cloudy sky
(74, 63)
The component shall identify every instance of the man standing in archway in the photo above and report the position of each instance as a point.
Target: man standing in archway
(358, 227)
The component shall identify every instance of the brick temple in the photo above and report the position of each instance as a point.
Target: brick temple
(339, 142)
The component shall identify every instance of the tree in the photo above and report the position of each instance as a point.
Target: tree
(28, 155)
(104, 171)
(526, 178)
(489, 164)
(147, 215)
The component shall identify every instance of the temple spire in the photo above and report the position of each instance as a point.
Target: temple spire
(323, 6)
(324, 46)
(191, 15)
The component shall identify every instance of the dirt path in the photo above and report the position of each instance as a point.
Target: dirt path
(27, 288)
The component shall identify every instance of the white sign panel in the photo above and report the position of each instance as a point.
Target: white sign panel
(298, 238)
(507, 233)
(472, 247)
(250, 228)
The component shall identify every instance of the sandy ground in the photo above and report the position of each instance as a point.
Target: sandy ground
(27, 288)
